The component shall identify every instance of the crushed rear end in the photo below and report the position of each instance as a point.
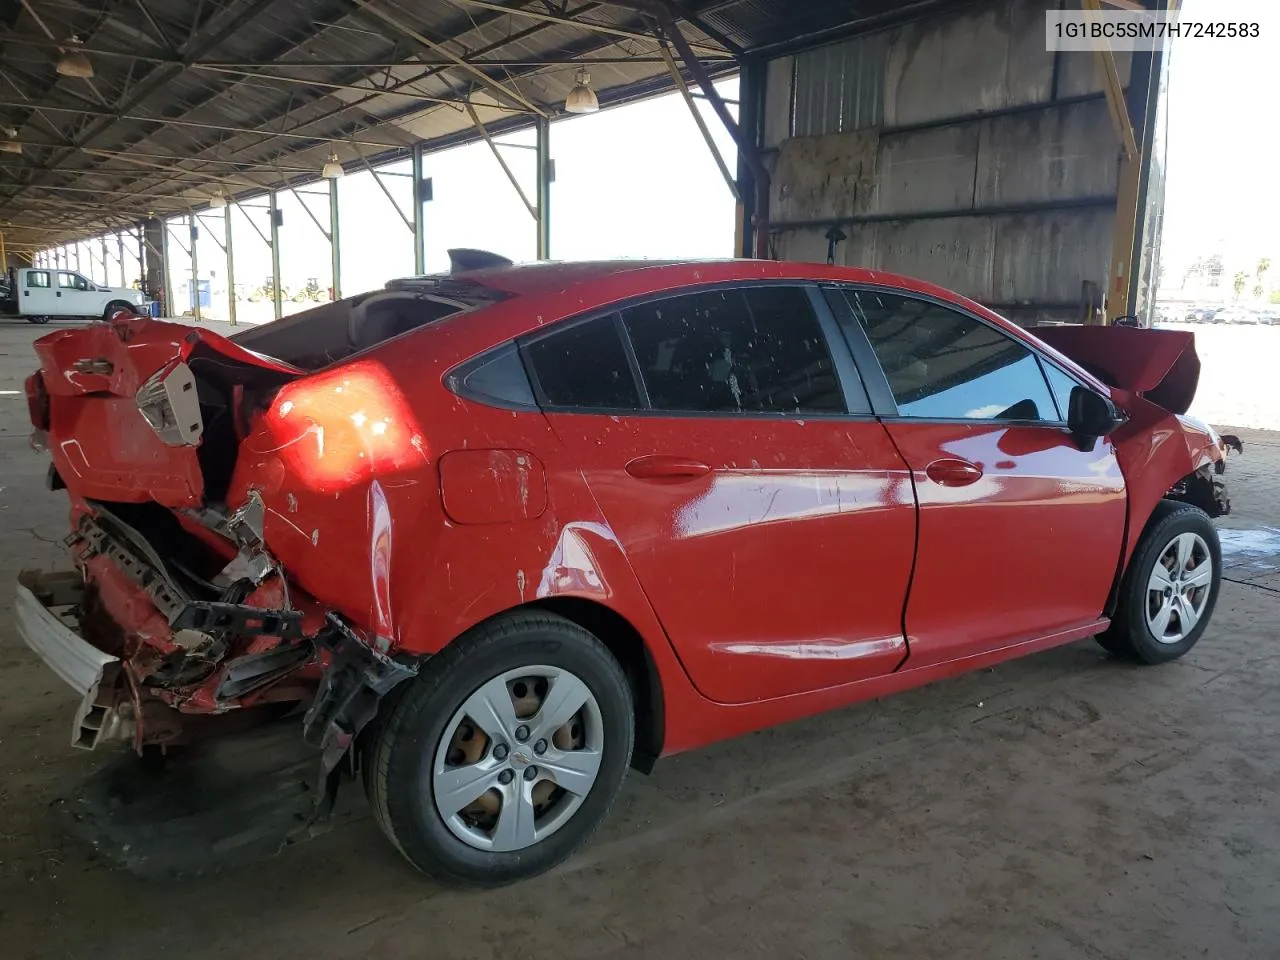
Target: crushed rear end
(181, 452)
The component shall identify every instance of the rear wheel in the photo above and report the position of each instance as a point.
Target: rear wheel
(37, 319)
(504, 754)
(1168, 593)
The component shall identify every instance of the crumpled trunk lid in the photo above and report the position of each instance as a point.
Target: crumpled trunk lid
(1158, 365)
(140, 409)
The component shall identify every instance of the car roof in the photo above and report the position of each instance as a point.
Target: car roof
(549, 277)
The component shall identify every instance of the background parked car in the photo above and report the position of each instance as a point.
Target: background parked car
(1201, 314)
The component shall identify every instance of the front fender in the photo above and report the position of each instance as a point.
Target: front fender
(1157, 450)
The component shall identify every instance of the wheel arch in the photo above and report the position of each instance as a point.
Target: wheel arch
(628, 646)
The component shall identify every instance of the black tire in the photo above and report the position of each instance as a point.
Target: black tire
(37, 320)
(401, 757)
(1130, 636)
(115, 305)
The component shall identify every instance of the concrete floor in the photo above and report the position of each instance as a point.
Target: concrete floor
(1063, 806)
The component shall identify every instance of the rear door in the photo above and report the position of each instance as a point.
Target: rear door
(35, 293)
(1020, 530)
(765, 512)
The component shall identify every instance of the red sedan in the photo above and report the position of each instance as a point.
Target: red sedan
(509, 531)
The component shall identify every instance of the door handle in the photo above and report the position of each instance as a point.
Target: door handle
(658, 467)
(952, 472)
(59, 293)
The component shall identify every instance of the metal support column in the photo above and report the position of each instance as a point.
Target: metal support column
(419, 215)
(335, 246)
(1121, 286)
(194, 235)
(751, 206)
(231, 264)
(277, 295)
(545, 175)
(4, 258)
(106, 274)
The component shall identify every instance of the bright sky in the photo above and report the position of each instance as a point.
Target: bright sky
(1224, 143)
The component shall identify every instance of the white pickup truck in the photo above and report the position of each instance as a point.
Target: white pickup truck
(38, 294)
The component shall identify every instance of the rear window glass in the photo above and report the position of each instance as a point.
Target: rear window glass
(585, 366)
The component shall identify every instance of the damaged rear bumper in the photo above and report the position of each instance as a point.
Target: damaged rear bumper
(43, 600)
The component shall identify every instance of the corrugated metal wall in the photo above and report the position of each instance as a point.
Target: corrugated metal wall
(955, 149)
(839, 88)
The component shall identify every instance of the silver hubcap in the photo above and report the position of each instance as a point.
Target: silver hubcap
(1178, 588)
(518, 758)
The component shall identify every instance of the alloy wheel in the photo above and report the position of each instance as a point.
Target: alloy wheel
(1178, 588)
(518, 758)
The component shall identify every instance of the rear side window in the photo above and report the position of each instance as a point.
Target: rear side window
(585, 366)
(37, 278)
(735, 351)
(944, 365)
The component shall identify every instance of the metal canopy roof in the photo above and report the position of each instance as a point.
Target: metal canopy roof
(188, 98)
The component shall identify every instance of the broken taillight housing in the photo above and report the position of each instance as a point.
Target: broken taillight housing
(170, 402)
(37, 400)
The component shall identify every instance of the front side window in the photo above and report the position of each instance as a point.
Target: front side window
(38, 278)
(759, 350)
(72, 281)
(944, 365)
(585, 365)
(1061, 385)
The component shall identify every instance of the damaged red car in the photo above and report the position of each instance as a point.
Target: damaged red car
(509, 531)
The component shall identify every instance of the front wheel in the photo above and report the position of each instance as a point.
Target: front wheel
(505, 753)
(1168, 593)
(115, 306)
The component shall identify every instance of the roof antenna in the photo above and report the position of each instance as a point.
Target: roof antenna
(462, 259)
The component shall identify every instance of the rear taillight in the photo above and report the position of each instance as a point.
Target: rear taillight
(37, 401)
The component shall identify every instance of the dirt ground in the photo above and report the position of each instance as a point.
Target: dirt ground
(1063, 806)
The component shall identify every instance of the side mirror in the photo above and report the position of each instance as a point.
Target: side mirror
(1091, 415)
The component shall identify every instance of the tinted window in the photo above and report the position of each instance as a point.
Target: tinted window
(501, 377)
(38, 278)
(1061, 385)
(735, 351)
(585, 366)
(944, 365)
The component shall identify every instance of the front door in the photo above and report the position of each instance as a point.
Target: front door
(75, 296)
(1020, 529)
(772, 530)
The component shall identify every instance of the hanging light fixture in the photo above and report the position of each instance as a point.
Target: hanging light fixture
(332, 169)
(73, 62)
(582, 99)
(11, 143)
(218, 200)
